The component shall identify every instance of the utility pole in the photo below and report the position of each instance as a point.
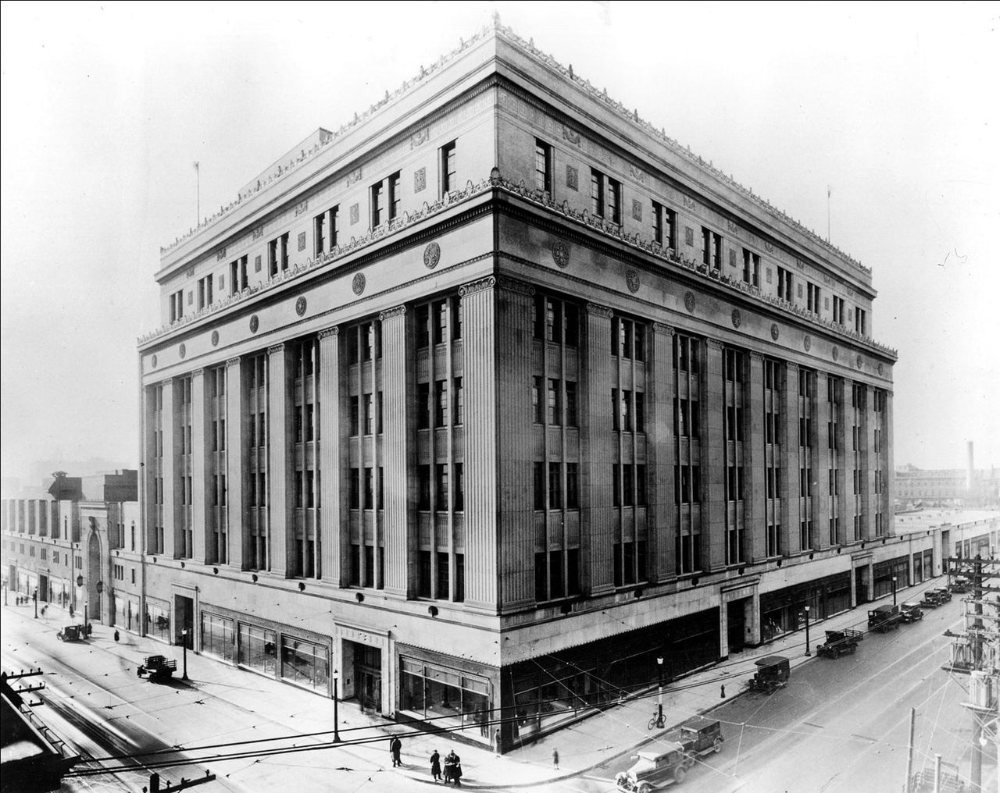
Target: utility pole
(154, 783)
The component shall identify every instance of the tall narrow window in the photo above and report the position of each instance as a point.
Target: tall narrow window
(711, 248)
(448, 172)
(543, 166)
(378, 209)
(394, 196)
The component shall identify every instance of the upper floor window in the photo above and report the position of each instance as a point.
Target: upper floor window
(812, 298)
(277, 255)
(605, 196)
(238, 275)
(378, 209)
(784, 284)
(448, 171)
(860, 315)
(543, 166)
(176, 305)
(664, 226)
(556, 320)
(628, 339)
(325, 231)
(838, 310)
(204, 292)
(711, 248)
(751, 268)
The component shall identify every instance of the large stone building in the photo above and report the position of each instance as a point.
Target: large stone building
(488, 399)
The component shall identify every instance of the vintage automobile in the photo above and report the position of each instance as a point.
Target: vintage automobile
(883, 619)
(772, 673)
(157, 668)
(932, 599)
(655, 770)
(698, 736)
(73, 633)
(960, 585)
(910, 612)
(840, 643)
(942, 593)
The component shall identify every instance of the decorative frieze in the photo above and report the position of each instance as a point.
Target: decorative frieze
(302, 206)
(477, 286)
(570, 136)
(221, 255)
(354, 176)
(420, 137)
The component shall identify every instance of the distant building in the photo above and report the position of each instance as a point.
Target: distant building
(75, 546)
(945, 487)
(491, 398)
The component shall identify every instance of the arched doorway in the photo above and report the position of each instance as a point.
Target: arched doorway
(94, 574)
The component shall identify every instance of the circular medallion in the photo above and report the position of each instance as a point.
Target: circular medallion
(836, 353)
(775, 332)
(632, 280)
(215, 338)
(560, 255)
(358, 284)
(858, 362)
(880, 368)
(300, 306)
(153, 361)
(183, 350)
(432, 255)
(689, 301)
(737, 318)
(254, 323)
(807, 343)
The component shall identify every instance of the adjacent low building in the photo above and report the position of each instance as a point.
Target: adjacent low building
(478, 405)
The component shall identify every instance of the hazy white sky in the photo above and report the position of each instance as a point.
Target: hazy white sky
(105, 108)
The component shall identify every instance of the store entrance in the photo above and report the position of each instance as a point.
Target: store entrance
(368, 678)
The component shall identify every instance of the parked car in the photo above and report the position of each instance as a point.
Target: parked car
(910, 612)
(772, 673)
(942, 593)
(960, 585)
(73, 633)
(840, 643)
(883, 619)
(655, 770)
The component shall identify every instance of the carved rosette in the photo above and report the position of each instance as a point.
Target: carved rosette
(254, 323)
(152, 361)
(182, 350)
(737, 318)
(859, 361)
(432, 255)
(300, 305)
(358, 284)
(836, 353)
(689, 302)
(881, 368)
(560, 254)
(775, 331)
(632, 280)
(807, 343)
(215, 338)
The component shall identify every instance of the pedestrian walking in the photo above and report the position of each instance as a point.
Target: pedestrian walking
(395, 747)
(117, 635)
(453, 768)
(436, 766)
(555, 759)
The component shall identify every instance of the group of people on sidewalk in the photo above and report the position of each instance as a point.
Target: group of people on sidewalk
(452, 763)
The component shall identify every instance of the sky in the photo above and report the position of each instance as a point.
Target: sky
(878, 123)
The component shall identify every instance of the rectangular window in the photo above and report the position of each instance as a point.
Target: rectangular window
(605, 197)
(378, 208)
(539, 485)
(536, 400)
(572, 486)
(441, 403)
(443, 496)
(448, 172)
(459, 492)
(176, 305)
(459, 400)
(277, 255)
(423, 406)
(555, 486)
(711, 248)
(543, 167)
(394, 196)
(838, 310)
(571, 409)
(238, 275)
(784, 284)
(424, 487)
(751, 268)
(355, 488)
(812, 298)
(860, 316)
(421, 321)
(554, 399)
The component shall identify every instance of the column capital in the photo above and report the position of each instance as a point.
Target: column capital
(169, 381)
(513, 285)
(233, 362)
(791, 366)
(715, 344)
(477, 286)
(326, 332)
(756, 356)
(659, 327)
(599, 310)
(392, 313)
(276, 349)
(198, 372)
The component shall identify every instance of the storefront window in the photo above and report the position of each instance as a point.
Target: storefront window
(158, 619)
(217, 637)
(258, 649)
(445, 695)
(305, 664)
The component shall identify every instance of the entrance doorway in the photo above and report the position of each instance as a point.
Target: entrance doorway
(736, 625)
(861, 584)
(368, 678)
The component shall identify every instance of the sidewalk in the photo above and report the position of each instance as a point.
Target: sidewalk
(619, 730)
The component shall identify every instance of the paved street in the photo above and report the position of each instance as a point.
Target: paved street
(839, 725)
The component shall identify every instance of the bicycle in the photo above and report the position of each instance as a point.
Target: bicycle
(657, 722)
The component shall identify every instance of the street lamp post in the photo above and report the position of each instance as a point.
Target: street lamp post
(807, 631)
(100, 600)
(894, 590)
(34, 597)
(659, 692)
(336, 716)
(184, 644)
